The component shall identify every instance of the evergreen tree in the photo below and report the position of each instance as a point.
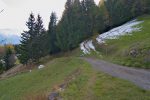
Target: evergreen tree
(64, 28)
(105, 17)
(89, 16)
(137, 7)
(27, 37)
(68, 4)
(37, 42)
(119, 11)
(80, 20)
(62, 35)
(77, 23)
(52, 34)
(147, 6)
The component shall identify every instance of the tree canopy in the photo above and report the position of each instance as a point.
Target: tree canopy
(80, 20)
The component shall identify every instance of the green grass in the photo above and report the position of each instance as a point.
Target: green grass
(88, 85)
(110, 88)
(118, 50)
(92, 85)
(38, 81)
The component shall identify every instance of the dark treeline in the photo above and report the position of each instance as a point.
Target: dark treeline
(119, 11)
(80, 20)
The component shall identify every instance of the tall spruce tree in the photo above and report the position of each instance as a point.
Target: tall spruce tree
(31, 43)
(52, 34)
(90, 8)
(64, 28)
(27, 37)
(77, 23)
(37, 43)
(105, 17)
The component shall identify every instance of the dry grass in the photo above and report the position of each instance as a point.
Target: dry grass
(18, 69)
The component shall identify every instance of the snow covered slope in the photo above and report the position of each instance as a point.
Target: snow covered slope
(125, 29)
(87, 46)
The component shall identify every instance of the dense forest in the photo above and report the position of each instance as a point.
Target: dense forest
(80, 20)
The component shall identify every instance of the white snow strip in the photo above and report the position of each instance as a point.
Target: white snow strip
(41, 67)
(125, 29)
(87, 46)
(119, 31)
(91, 46)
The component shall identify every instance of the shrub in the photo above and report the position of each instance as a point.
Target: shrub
(128, 64)
(137, 64)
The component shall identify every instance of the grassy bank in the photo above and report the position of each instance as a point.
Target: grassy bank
(89, 84)
(38, 81)
(119, 50)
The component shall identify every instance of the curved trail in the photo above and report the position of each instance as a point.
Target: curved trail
(139, 77)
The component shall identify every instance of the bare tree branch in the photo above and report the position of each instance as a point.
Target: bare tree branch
(1, 10)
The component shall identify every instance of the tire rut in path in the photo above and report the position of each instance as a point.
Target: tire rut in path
(139, 77)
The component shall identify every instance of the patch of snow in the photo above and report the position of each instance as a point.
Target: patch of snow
(124, 29)
(87, 46)
(2, 62)
(119, 31)
(41, 66)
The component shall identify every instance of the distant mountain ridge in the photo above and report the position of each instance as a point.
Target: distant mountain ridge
(9, 38)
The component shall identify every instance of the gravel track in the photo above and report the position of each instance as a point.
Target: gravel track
(140, 77)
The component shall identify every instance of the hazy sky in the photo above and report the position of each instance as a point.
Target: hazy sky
(16, 13)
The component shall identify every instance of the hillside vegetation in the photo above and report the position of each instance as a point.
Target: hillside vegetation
(131, 50)
(71, 78)
(88, 84)
(80, 20)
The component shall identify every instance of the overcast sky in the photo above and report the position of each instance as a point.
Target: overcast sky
(16, 13)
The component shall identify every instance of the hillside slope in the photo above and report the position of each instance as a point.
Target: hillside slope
(84, 83)
(128, 45)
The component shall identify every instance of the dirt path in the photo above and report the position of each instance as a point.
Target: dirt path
(139, 77)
